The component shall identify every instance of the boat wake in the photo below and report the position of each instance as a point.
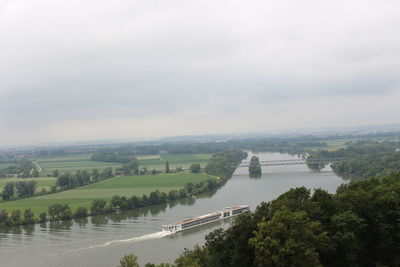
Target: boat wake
(156, 235)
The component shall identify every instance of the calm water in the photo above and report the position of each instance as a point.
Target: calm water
(103, 240)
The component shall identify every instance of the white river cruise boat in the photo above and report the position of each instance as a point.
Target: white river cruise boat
(201, 220)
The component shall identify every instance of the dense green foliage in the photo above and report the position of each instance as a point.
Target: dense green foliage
(111, 157)
(195, 168)
(21, 189)
(68, 181)
(80, 178)
(254, 168)
(357, 226)
(370, 165)
(128, 260)
(362, 159)
(224, 164)
(23, 168)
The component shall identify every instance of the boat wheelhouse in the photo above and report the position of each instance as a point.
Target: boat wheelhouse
(212, 217)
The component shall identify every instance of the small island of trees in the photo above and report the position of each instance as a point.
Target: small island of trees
(255, 168)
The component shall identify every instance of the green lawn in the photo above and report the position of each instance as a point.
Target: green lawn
(72, 164)
(82, 162)
(121, 185)
(185, 160)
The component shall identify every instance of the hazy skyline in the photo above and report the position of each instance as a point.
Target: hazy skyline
(87, 70)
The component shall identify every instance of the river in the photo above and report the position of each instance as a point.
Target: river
(102, 240)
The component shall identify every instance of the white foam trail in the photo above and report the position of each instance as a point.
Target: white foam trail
(156, 235)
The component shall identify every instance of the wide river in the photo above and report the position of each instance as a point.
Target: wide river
(101, 241)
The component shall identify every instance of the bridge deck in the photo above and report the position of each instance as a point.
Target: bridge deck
(291, 162)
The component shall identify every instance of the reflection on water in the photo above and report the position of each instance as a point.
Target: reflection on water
(57, 226)
(29, 229)
(81, 221)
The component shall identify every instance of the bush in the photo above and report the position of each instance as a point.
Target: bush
(98, 206)
(195, 168)
(28, 217)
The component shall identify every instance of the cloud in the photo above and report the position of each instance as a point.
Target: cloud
(93, 63)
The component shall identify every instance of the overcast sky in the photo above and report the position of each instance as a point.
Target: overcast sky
(86, 70)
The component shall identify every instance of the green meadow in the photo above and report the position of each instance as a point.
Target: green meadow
(120, 185)
(82, 162)
(183, 160)
(72, 164)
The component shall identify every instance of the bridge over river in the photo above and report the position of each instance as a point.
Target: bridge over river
(291, 162)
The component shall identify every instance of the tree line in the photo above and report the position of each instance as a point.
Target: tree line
(223, 164)
(114, 157)
(362, 159)
(20, 189)
(22, 168)
(357, 226)
(80, 178)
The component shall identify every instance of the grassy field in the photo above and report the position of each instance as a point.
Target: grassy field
(45, 182)
(121, 185)
(72, 164)
(184, 160)
(82, 162)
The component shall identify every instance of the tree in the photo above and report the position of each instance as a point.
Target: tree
(98, 206)
(53, 189)
(42, 217)
(167, 166)
(28, 217)
(85, 177)
(66, 213)
(60, 211)
(106, 173)
(134, 202)
(3, 217)
(346, 234)
(195, 168)
(289, 239)
(254, 168)
(55, 173)
(8, 191)
(26, 188)
(131, 167)
(128, 260)
(95, 174)
(16, 217)
(173, 195)
(64, 181)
